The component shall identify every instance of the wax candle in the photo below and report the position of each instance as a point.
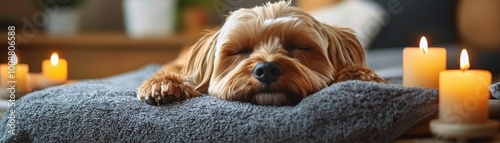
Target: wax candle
(55, 70)
(464, 94)
(4, 75)
(421, 66)
(14, 75)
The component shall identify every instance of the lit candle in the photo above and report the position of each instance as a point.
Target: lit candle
(55, 70)
(421, 66)
(16, 74)
(464, 94)
(19, 76)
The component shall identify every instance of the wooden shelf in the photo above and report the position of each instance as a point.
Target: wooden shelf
(106, 40)
(97, 55)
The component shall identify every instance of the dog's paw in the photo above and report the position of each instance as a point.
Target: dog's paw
(164, 88)
(362, 73)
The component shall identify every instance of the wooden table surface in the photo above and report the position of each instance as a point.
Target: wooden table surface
(421, 132)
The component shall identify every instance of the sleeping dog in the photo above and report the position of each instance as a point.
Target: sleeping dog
(274, 54)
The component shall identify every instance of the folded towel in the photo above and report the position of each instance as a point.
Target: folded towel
(495, 90)
(106, 110)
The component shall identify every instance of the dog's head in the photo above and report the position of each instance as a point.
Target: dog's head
(274, 54)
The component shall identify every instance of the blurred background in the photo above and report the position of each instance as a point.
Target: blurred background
(103, 38)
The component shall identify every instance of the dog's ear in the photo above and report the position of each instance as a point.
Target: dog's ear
(200, 64)
(344, 48)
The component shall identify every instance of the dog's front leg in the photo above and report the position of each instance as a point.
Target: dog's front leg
(362, 73)
(164, 88)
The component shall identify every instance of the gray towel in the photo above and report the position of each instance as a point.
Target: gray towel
(106, 110)
(495, 90)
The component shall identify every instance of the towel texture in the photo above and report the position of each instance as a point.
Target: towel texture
(106, 110)
(495, 90)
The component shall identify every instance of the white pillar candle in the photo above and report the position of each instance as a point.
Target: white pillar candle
(464, 94)
(55, 70)
(14, 75)
(421, 66)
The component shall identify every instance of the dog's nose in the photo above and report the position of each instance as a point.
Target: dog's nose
(267, 72)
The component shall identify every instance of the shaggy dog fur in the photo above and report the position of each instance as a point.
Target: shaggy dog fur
(274, 54)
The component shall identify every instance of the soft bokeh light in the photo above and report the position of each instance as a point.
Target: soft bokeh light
(54, 59)
(464, 60)
(423, 44)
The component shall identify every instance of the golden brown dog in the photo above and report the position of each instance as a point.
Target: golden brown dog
(274, 54)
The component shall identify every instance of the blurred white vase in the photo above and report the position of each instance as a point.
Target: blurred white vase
(66, 21)
(149, 18)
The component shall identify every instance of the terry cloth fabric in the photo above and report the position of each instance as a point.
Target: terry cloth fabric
(495, 90)
(106, 110)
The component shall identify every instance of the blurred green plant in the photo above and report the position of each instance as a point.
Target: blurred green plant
(183, 5)
(62, 3)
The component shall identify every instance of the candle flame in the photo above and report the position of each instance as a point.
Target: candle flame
(423, 44)
(54, 59)
(15, 59)
(464, 60)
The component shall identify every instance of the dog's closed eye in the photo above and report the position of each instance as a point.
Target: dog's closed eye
(295, 47)
(245, 51)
